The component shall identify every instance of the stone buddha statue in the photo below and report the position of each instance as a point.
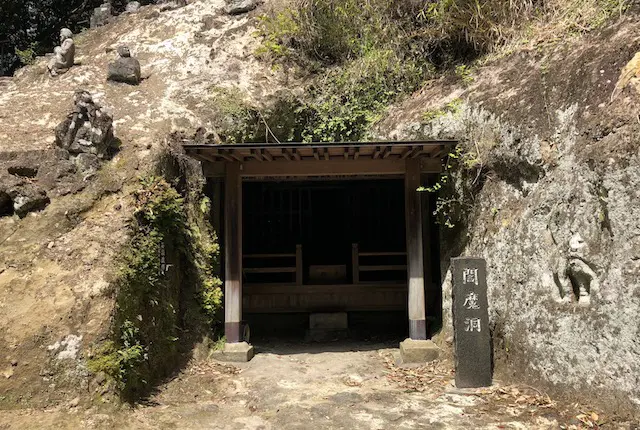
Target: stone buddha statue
(63, 55)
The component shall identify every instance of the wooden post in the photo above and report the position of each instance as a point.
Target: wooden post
(233, 253)
(299, 270)
(355, 263)
(415, 268)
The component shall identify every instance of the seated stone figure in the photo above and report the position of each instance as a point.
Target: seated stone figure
(125, 69)
(64, 54)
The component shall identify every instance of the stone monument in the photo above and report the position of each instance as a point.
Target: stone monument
(125, 68)
(473, 358)
(64, 54)
(86, 135)
(101, 15)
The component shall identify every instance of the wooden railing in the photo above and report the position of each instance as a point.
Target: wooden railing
(358, 268)
(295, 260)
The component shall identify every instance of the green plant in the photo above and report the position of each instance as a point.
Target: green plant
(453, 107)
(455, 188)
(464, 72)
(278, 33)
(146, 327)
(28, 55)
(349, 100)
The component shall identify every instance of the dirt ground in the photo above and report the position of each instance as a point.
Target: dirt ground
(329, 386)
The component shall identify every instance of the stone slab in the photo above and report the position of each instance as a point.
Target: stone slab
(239, 352)
(472, 338)
(418, 351)
(333, 320)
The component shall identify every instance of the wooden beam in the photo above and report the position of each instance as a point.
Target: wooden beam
(376, 153)
(415, 269)
(286, 154)
(206, 157)
(266, 154)
(269, 270)
(338, 167)
(355, 263)
(221, 153)
(383, 268)
(299, 267)
(356, 153)
(296, 154)
(406, 153)
(232, 154)
(256, 154)
(315, 154)
(415, 152)
(386, 151)
(233, 253)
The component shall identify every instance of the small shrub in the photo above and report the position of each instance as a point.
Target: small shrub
(453, 107)
(28, 55)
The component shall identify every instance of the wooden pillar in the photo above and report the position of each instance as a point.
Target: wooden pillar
(415, 268)
(233, 253)
(299, 268)
(355, 263)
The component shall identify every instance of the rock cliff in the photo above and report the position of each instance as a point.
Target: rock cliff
(548, 188)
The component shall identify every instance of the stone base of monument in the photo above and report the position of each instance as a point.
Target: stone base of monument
(239, 352)
(327, 327)
(418, 351)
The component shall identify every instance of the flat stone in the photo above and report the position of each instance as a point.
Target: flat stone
(418, 351)
(334, 320)
(239, 352)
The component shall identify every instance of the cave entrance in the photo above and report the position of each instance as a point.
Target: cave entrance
(326, 238)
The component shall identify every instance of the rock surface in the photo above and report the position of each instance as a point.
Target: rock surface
(125, 68)
(552, 192)
(237, 7)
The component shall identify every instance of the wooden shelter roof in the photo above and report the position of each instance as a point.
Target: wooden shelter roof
(268, 152)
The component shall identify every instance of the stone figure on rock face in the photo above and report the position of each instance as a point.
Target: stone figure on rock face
(86, 135)
(125, 68)
(64, 54)
(101, 15)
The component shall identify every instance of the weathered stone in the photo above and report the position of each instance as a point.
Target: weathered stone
(239, 352)
(125, 68)
(208, 22)
(418, 351)
(132, 6)
(630, 72)
(171, 4)
(471, 323)
(236, 7)
(23, 171)
(28, 198)
(64, 55)
(87, 162)
(88, 129)
(101, 15)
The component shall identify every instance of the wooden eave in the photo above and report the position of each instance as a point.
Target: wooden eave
(268, 152)
(263, 160)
